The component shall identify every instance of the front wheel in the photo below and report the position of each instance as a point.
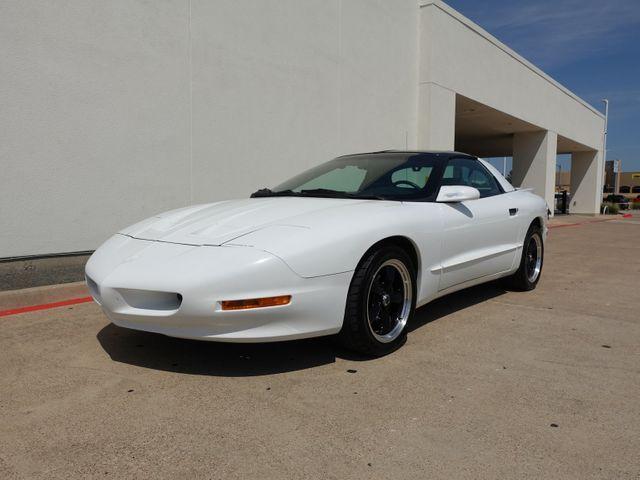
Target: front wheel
(380, 302)
(528, 273)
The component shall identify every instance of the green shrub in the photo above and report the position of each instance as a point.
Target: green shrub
(612, 208)
(635, 204)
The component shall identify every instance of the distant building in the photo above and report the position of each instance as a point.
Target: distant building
(629, 183)
(563, 181)
(609, 176)
(617, 181)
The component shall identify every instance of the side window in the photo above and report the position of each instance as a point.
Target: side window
(471, 173)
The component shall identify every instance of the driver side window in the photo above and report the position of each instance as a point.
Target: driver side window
(471, 173)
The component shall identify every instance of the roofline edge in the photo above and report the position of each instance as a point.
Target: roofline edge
(452, 12)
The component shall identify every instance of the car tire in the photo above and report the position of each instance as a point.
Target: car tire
(380, 302)
(528, 274)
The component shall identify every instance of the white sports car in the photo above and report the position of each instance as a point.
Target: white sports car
(350, 247)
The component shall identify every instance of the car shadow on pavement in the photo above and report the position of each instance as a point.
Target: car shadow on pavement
(159, 352)
(151, 350)
(455, 302)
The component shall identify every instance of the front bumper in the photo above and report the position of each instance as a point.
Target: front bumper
(176, 290)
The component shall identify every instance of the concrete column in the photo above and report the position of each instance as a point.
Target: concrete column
(586, 182)
(534, 163)
(436, 117)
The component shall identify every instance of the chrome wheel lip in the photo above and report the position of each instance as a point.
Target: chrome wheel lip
(403, 317)
(536, 262)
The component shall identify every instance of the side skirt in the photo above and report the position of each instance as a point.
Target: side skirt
(462, 286)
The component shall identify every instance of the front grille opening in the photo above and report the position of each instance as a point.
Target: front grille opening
(94, 290)
(151, 300)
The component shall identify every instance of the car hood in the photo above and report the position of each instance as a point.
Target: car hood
(219, 223)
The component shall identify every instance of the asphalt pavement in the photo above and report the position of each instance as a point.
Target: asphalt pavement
(491, 384)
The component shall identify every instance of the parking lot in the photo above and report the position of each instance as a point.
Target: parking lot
(491, 384)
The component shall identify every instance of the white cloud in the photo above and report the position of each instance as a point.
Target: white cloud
(553, 32)
(624, 103)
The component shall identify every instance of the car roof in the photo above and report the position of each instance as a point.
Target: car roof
(448, 153)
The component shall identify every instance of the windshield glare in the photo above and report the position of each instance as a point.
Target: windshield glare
(390, 176)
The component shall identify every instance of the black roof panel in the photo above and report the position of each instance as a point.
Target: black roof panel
(433, 152)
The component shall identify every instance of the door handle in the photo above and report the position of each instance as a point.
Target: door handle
(513, 211)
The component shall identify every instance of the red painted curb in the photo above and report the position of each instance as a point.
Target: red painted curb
(565, 225)
(586, 223)
(44, 306)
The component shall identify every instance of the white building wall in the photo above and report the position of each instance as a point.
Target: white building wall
(94, 119)
(586, 177)
(437, 117)
(534, 162)
(283, 85)
(114, 111)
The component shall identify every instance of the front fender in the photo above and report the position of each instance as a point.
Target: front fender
(327, 246)
(308, 252)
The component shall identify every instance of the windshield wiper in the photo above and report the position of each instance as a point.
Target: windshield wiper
(369, 196)
(267, 192)
(325, 192)
(315, 192)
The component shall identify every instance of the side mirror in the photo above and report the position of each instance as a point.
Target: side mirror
(457, 193)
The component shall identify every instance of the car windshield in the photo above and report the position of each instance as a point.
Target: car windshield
(383, 176)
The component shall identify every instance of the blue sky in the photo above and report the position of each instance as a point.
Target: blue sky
(590, 46)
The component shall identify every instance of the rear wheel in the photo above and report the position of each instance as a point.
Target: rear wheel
(528, 274)
(380, 302)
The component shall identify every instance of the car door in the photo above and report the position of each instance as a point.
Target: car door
(480, 236)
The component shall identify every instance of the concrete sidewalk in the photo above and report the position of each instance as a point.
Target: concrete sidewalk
(491, 384)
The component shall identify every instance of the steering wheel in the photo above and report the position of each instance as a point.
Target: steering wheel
(407, 182)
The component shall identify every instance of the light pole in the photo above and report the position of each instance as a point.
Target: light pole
(604, 138)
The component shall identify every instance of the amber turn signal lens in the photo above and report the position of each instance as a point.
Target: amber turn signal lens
(255, 302)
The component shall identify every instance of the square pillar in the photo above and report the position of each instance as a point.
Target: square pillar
(436, 117)
(534, 163)
(586, 182)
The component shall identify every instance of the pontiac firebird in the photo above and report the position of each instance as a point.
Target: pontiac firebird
(348, 248)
